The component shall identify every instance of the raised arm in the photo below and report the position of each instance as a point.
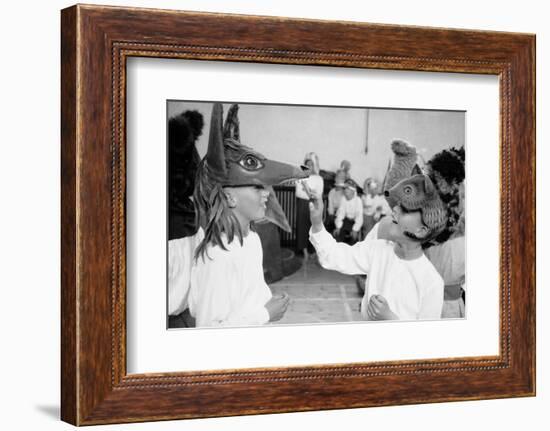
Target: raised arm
(334, 255)
(358, 216)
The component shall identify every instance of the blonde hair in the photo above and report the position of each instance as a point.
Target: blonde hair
(214, 213)
(314, 160)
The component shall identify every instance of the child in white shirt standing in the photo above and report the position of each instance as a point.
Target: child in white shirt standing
(334, 198)
(374, 205)
(232, 190)
(401, 282)
(349, 216)
(313, 182)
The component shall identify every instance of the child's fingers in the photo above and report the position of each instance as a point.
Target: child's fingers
(369, 317)
(378, 299)
(283, 297)
(370, 313)
(370, 307)
(375, 304)
(284, 305)
(314, 203)
(310, 193)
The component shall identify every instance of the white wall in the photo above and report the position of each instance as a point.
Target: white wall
(287, 133)
(29, 178)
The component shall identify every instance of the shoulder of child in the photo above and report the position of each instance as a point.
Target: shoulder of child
(431, 270)
(253, 238)
(378, 246)
(231, 250)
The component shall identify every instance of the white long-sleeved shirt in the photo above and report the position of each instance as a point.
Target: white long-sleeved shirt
(449, 258)
(375, 205)
(228, 286)
(334, 198)
(180, 258)
(412, 288)
(352, 209)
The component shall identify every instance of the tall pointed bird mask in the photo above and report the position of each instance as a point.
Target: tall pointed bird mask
(237, 165)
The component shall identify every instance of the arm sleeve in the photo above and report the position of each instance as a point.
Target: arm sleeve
(219, 302)
(177, 285)
(431, 304)
(252, 316)
(358, 215)
(180, 259)
(299, 190)
(330, 208)
(340, 214)
(320, 186)
(342, 257)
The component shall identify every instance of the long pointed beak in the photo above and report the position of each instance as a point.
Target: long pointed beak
(271, 174)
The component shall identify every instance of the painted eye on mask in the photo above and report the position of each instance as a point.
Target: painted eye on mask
(251, 163)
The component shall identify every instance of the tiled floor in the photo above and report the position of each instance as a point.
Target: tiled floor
(319, 296)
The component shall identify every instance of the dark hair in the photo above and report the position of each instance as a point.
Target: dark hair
(183, 161)
(449, 164)
(447, 171)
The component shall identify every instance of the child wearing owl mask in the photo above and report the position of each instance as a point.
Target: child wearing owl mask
(446, 251)
(402, 284)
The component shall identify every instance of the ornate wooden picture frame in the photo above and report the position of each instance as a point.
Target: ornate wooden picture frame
(95, 44)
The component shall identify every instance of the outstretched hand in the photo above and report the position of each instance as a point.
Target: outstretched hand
(276, 307)
(315, 208)
(378, 309)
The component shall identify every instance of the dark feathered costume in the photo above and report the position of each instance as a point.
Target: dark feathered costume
(446, 169)
(183, 161)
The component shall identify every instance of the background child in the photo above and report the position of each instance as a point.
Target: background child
(374, 205)
(349, 217)
(227, 282)
(334, 198)
(313, 182)
(232, 190)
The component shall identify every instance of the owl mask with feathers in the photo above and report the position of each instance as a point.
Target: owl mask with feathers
(437, 191)
(418, 193)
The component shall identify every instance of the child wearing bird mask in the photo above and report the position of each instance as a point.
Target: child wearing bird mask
(402, 284)
(233, 189)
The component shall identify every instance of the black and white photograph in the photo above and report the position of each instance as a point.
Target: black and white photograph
(299, 214)
(251, 215)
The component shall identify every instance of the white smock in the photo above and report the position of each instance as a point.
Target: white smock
(412, 288)
(228, 286)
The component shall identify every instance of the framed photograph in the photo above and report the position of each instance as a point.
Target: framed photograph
(317, 215)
